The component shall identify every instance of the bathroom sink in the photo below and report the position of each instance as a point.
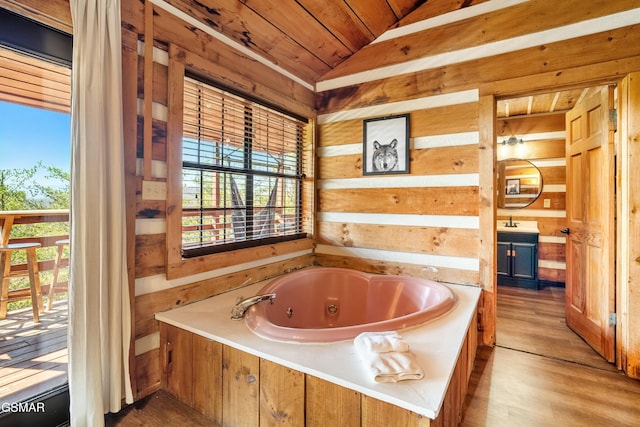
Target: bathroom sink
(522, 226)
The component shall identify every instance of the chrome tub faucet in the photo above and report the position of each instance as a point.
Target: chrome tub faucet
(238, 310)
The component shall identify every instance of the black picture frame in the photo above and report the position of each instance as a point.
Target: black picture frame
(513, 186)
(386, 145)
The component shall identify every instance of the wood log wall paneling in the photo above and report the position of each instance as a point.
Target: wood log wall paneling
(153, 292)
(423, 223)
(481, 54)
(486, 36)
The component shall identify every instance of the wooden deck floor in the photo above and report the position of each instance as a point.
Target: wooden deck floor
(33, 357)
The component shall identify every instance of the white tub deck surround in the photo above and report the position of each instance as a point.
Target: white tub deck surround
(436, 346)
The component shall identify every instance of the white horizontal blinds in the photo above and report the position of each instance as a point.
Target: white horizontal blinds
(241, 169)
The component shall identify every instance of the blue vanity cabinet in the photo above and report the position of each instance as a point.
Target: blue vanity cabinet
(518, 259)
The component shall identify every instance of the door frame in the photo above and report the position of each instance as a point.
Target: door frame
(487, 127)
(628, 226)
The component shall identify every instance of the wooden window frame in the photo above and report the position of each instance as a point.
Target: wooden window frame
(181, 63)
(254, 136)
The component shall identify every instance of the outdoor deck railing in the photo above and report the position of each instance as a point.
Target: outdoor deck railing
(35, 226)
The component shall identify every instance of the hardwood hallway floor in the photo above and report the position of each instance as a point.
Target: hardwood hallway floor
(542, 374)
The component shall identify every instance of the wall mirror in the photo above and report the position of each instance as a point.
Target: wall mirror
(519, 183)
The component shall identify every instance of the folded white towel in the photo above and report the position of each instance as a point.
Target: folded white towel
(387, 357)
(380, 342)
(394, 366)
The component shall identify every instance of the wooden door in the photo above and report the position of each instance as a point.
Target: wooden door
(590, 281)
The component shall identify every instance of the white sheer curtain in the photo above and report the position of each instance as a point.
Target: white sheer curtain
(99, 309)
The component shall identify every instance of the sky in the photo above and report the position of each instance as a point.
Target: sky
(30, 134)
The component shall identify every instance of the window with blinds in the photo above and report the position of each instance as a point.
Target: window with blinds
(241, 172)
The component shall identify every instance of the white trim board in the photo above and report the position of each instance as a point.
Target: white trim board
(554, 188)
(417, 143)
(150, 226)
(560, 134)
(158, 111)
(160, 56)
(447, 18)
(446, 140)
(431, 262)
(552, 239)
(147, 343)
(557, 265)
(542, 213)
(416, 220)
(411, 181)
(158, 168)
(454, 98)
(549, 163)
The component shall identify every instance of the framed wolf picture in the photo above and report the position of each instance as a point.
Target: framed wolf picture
(386, 145)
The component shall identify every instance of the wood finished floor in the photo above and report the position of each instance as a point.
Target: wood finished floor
(159, 409)
(534, 322)
(539, 374)
(542, 374)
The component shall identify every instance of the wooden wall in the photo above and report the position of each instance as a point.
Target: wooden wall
(544, 146)
(424, 223)
(447, 74)
(158, 288)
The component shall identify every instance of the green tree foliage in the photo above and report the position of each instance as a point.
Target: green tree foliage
(40, 187)
(14, 188)
(57, 197)
(20, 189)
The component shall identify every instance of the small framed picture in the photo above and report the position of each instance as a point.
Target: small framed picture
(513, 186)
(386, 145)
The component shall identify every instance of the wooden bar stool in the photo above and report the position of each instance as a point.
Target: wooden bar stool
(33, 291)
(55, 286)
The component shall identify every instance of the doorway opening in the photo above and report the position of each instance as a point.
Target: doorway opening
(531, 300)
(35, 93)
(35, 101)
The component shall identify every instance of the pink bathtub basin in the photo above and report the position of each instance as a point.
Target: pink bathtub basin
(323, 304)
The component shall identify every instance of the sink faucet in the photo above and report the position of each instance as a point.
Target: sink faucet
(511, 224)
(238, 310)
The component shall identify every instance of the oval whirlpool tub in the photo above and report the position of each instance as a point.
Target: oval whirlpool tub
(325, 304)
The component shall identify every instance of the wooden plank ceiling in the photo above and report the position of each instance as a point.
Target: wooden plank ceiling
(556, 102)
(34, 82)
(307, 38)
